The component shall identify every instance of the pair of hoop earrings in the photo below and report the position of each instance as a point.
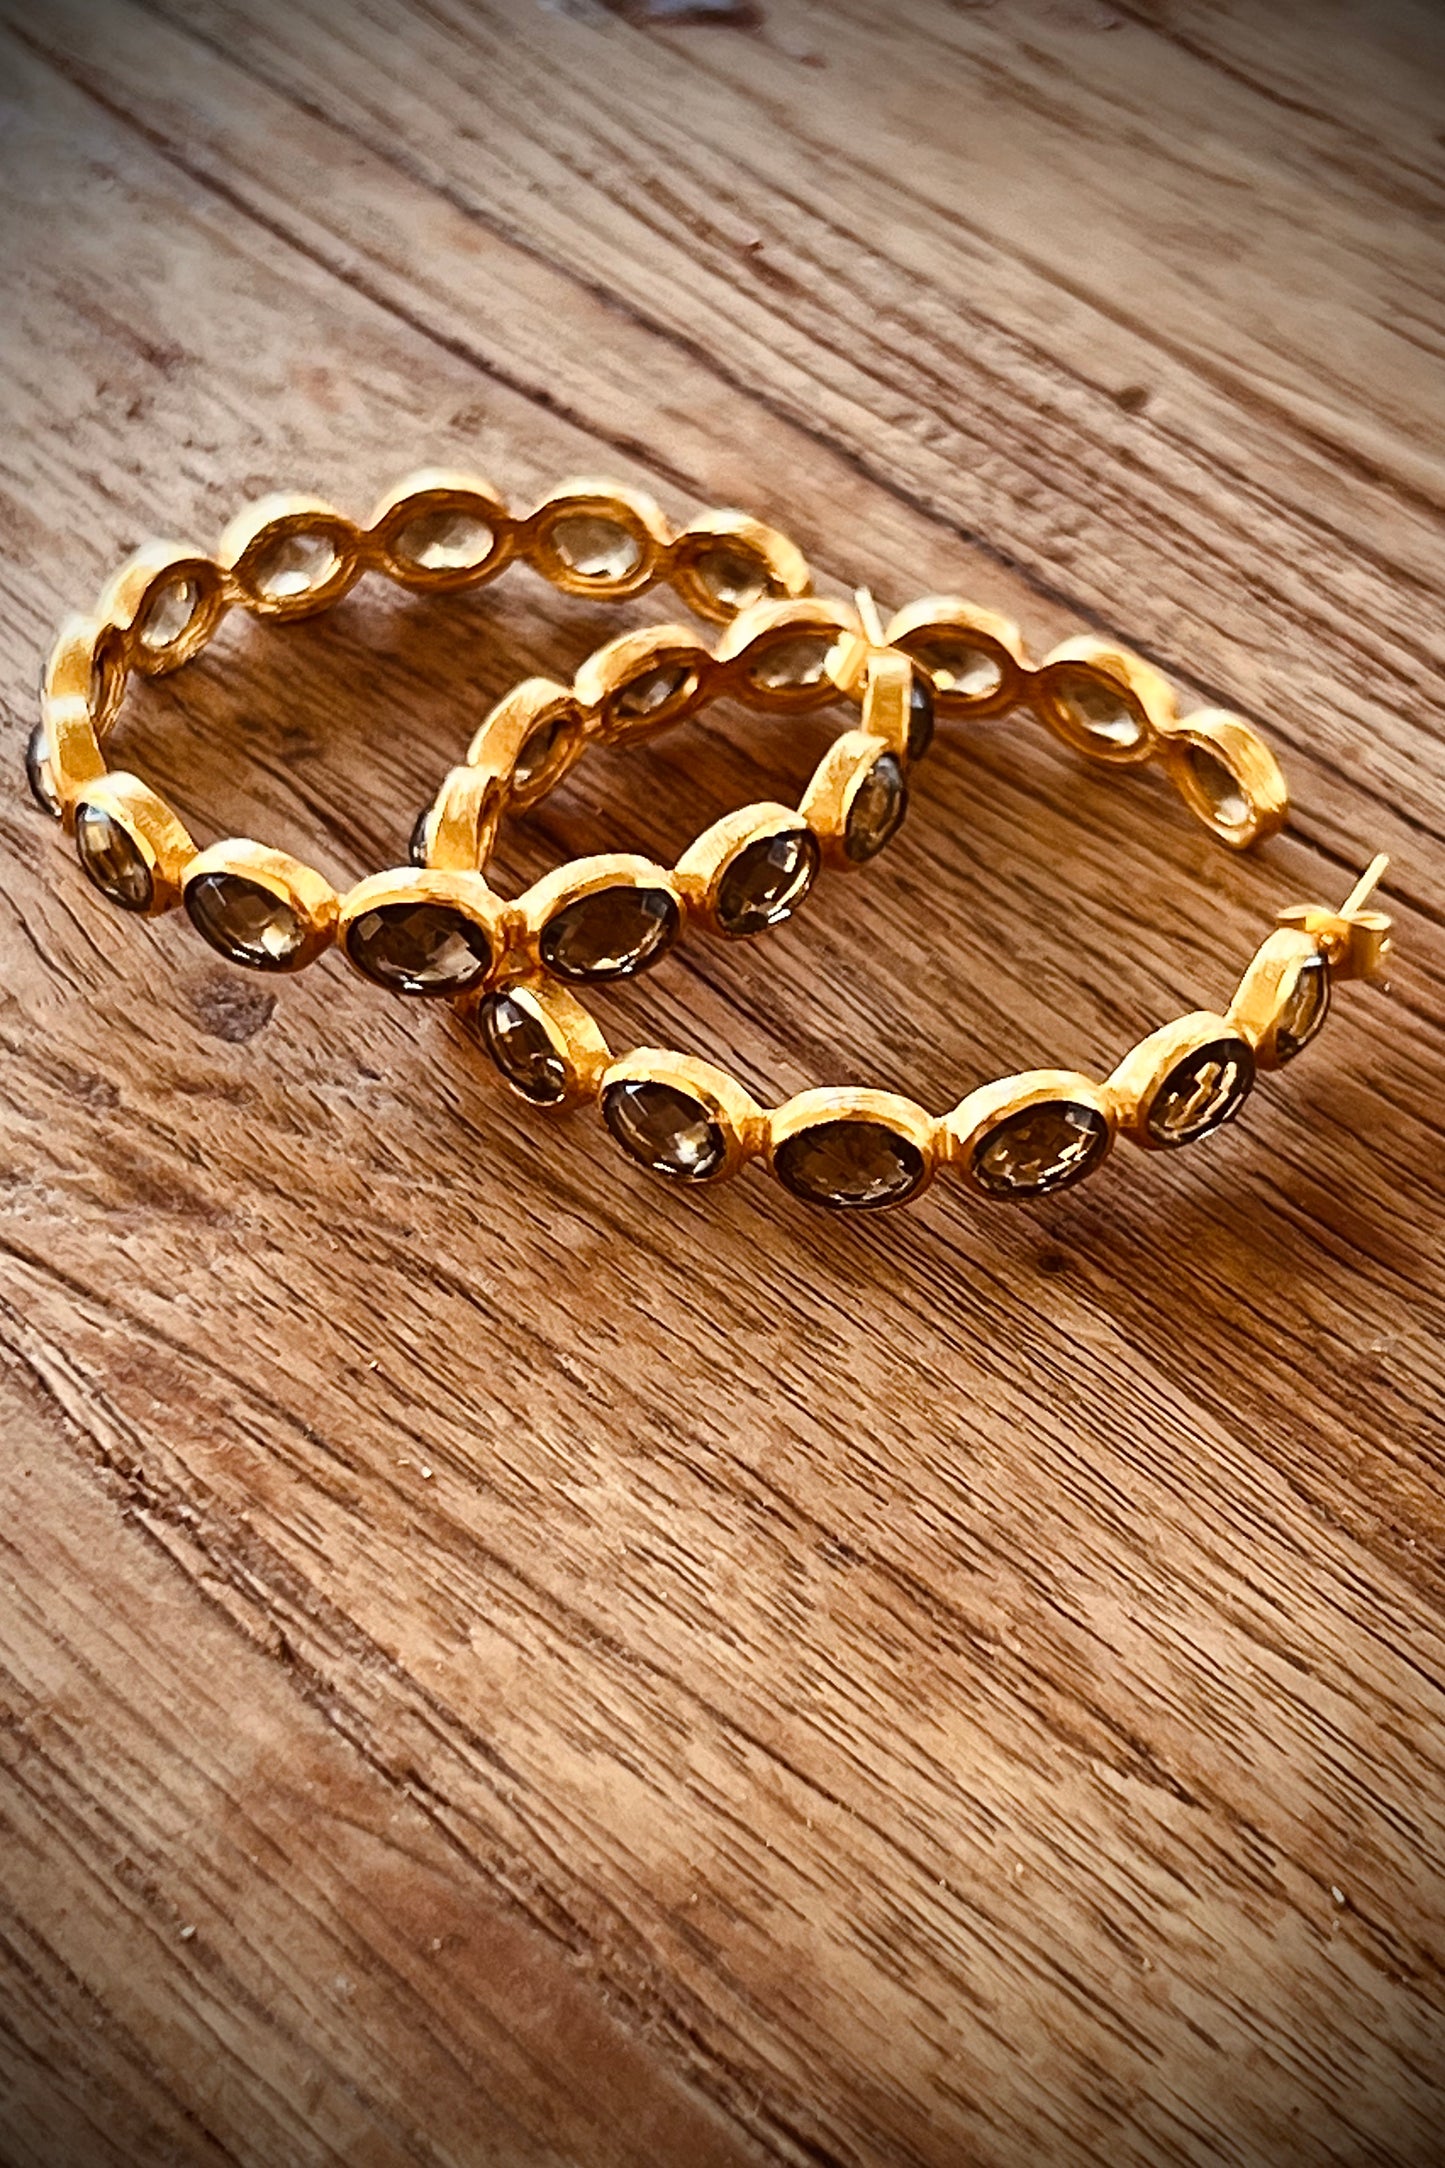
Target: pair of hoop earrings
(515, 969)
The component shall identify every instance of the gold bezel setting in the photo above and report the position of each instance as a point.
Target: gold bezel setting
(227, 870)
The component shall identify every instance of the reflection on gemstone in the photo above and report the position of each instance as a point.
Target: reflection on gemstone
(1218, 786)
(664, 1128)
(849, 1164)
(444, 541)
(956, 667)
(595, 547)
(171, 610)
(520, 1040)
(1204, 1089)
(244, 920)
(416, 849)
(1094, 705)
(611, 934)
(1040, 1148)
(794, 661)
(38, 775)
(112, 858)
(920, 715)
(295, 564)
(877, 809)
(732, 575)
(539, 749)
(766, 881)
(653, 692)
(1303, 1010)
(417, 947)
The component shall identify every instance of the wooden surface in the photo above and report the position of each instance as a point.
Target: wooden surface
(502, 1663)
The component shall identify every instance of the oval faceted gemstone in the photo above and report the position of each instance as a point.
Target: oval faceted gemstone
(296, 564)
(1305, 1006)
(244, 920)
(520, 1040)
(1095, 707)
(38, 776)
(169, 616)
(610, 934)
(732, 575)
(1219, 787)
(1040, 1148)
(538, 750)
(1202, 1090)
(653, 692)
(766, 881)
(850, 1164)
(596, 547)
(664, 1128)
(956, 667)
(799, 659)
(877, 810)
(920, 716)
(417, 847)
(111, 857)
(444, 541)
(416, 947)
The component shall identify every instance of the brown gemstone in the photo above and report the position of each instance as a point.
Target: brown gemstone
(955, 666)
(418, 947)
(920, 715)
(877, 809)
(444, 540)
(766, 881)
(112, 858)
(172, 608)
(664, 1128)
(1303, 1010)
(595, 547)
(849, 1164)
(1218, 786)
(38, 776)
(1039, 1149)
(651, 694)
(792, 661)
(540, 749)
(416, 849)
(733, 576)
(296, 564)
(515, 1032)
(1095, 706)
(610, 934)
(1205, 1088)
(245, 920)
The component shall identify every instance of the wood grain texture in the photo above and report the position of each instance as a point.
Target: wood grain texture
(501, 1663)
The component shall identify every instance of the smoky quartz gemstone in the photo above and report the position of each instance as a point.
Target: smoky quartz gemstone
(767, 880)
(111, 857)
(1302, 1012)
(732, 576)
(877, 809)
(1095, 707)
(37, 774)
(416, 848)
(920, 715)
(1204, 1089)
(419, 947)
(664, 1128)
(245, 920)
(611, 934)
(1038, 1149)
(849, 1164)
(520, 1040)
(1218, 787)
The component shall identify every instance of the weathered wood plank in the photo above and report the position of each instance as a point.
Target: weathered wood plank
(968, 1687)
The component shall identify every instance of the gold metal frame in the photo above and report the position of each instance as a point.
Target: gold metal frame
(312, 899)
